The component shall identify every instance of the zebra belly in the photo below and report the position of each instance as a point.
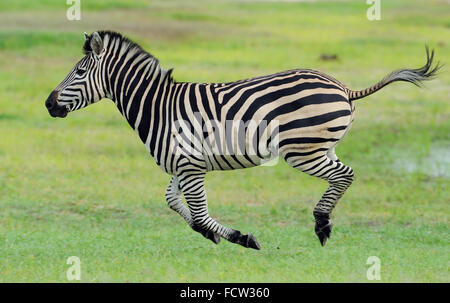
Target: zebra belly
(239, 145)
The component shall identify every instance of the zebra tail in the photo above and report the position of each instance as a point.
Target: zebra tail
(414, 76)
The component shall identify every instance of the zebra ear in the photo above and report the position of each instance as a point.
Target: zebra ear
(86, 36)
(96, 44)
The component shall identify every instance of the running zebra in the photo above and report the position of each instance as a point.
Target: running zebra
(192, 128)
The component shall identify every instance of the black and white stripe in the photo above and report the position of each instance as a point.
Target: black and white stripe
(191, 128)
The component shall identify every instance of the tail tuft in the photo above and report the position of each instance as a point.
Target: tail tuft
(414, 76)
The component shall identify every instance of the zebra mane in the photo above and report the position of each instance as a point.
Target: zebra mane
(131, 46)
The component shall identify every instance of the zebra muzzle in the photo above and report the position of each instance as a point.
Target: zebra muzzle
(54, 109)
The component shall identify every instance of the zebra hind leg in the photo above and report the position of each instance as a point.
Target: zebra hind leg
(193, 189)
(173, 198)
(339, 177)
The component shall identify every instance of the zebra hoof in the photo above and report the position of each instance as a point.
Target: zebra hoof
(252, 243)
(323, 231)
(249, 241)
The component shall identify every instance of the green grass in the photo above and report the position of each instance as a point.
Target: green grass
(85, 186)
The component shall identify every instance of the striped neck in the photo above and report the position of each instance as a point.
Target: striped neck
(138, 86)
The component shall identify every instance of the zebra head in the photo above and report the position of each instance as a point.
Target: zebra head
(82, 86)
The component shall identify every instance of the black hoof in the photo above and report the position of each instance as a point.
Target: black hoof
(252, 243)
(248, 241)
(323, 230)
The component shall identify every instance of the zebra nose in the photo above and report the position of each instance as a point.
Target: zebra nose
(51, 100)
(49, 104)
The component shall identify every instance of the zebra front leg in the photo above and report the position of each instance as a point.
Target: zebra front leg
(340, 177)
(173, 198)
(192, 186)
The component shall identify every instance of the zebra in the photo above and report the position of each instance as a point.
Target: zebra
(298, 115)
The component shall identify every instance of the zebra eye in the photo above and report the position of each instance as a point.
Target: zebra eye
(80, 71)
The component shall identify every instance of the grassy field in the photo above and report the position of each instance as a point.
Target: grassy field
(85, 186)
